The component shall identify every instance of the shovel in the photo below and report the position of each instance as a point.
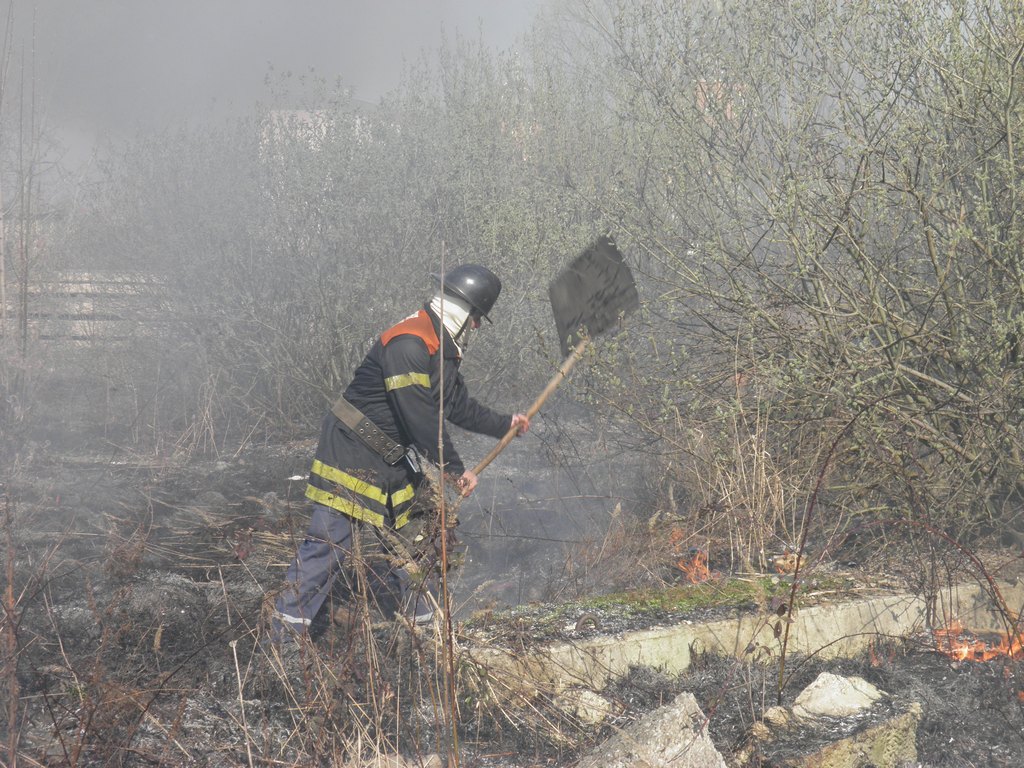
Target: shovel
(588, 298)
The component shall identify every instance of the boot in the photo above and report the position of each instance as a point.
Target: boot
(348, 617)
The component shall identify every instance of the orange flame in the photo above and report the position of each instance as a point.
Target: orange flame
(692, 561)
(959, 644)
(879, 658)
(695, 568)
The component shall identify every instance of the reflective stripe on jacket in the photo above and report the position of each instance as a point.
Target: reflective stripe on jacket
(350, 478)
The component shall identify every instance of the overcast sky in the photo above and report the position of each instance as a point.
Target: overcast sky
(109, 66)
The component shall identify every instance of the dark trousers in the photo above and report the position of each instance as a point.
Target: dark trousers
(313, 573)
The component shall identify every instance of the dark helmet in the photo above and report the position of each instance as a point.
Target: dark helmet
(476, 285)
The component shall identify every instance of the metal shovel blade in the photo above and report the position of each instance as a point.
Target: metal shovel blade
(592, 294)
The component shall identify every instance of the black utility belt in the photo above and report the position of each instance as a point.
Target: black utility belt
(372, 435)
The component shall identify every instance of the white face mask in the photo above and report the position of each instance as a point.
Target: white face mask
(455, 317)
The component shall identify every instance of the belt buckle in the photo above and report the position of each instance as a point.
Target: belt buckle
(394, 454)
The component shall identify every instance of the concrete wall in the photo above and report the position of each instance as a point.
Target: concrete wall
(840, 628)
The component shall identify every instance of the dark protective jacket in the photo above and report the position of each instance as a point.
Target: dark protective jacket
(398, 387)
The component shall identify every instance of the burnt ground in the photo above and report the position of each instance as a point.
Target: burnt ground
(972, 713)
(139, 591)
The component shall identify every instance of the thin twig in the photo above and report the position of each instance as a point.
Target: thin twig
(241, 701)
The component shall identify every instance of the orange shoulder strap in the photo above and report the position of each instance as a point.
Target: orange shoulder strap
(419, 325)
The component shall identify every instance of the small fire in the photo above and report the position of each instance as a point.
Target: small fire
(692, 561)
(961, 645)
(695, 567)
(879, 657)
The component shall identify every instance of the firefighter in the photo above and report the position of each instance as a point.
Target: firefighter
(366, 470)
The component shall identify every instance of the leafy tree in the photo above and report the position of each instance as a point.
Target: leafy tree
(822, 198)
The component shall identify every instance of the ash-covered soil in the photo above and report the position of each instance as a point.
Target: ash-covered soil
(972, 713)
(138, 603)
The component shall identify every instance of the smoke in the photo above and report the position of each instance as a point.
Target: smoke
(106, 68)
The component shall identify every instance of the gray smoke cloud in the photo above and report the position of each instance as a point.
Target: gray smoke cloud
(107, 67)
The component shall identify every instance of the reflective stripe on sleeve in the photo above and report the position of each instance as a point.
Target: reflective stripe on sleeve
(407, 380)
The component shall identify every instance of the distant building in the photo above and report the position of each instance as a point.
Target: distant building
(91, 307)
(314, 127)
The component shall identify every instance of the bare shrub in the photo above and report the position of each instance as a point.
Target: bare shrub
(740, 495)
(635, 551)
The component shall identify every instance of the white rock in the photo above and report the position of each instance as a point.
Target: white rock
(834, 696)
(588, 707)
(776, 716)
(674, 736)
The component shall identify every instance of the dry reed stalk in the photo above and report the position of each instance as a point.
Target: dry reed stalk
(241, 702)
(10, 639)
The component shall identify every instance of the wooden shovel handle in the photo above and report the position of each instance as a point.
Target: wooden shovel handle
(563, 371)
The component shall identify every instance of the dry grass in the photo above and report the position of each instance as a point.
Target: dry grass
(119, 662)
